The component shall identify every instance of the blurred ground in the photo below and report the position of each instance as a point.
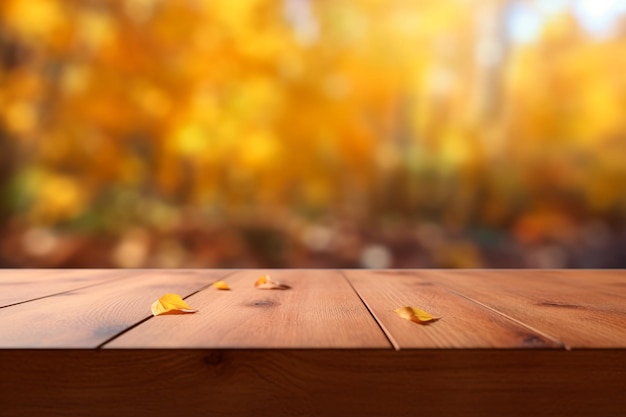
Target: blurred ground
(335, 243)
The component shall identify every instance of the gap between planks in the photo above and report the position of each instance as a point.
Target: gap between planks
(506, 316)
(139, 323)
(103, 311)
(320, 311)
(113, 277)
(387, 334)
(498, 331)
(560, 303)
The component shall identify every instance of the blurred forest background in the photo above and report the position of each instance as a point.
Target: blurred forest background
(313, 133)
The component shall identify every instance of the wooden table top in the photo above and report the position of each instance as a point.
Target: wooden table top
(323, 309)
(509, 343)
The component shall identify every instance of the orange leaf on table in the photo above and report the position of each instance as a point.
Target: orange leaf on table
(221, 285)
(415, 314)
(171, 304)
(266, 283)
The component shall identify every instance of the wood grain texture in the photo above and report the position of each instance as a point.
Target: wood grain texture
(578, 315)
(18, 286)
(90, 316)
(464, 324)
(320, 310)
(608, 282)
(294, 383)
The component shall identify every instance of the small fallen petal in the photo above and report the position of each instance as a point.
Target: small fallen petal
(170, 304)
(261, 280)
(221, 285)
(266, 283)
(415, 314)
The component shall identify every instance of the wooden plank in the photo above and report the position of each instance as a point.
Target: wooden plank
(609, 282)
(464, 324)
(320, 310)
(90, 316)
(18, 286)
(578, 316)
(276, 383)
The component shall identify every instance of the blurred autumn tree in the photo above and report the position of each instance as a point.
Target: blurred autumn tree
(308, 133)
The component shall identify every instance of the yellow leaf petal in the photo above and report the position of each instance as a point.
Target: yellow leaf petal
(415, 314)
(266, 283)
(221, 285)
(171, 304)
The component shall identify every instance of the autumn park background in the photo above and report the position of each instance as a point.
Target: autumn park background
(313, 133)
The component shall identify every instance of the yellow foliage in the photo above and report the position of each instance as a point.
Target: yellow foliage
(20, 117)
(301, 103)
(415, 314)
(170, 304)
(58, 197)
(96, 30)
(220, 285)
(33, 18)
(266, 283)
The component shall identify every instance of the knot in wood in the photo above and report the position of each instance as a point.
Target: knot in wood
(213, 358)
(263, 303)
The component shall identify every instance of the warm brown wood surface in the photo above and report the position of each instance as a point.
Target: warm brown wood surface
(605, 281)
(89, 316)
(508, 343)
(18, 286)
(464, 324)
(293, 383)
(323, 309)
(569, 308)
(320, 310)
